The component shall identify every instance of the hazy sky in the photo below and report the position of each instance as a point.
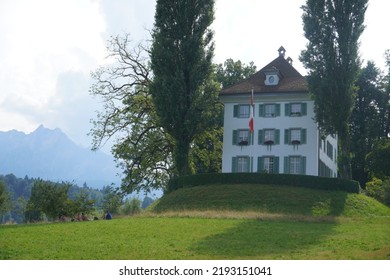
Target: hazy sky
(48, 49)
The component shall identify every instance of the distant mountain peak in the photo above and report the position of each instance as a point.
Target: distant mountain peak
(51, 154)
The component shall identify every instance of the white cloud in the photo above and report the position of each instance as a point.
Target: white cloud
(48, 49)
(253, 30)
(43, 39)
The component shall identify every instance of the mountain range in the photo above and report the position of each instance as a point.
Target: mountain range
(50, 154)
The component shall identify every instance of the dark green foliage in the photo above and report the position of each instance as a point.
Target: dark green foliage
(131, 206)
(81, 204)
(333, 29)
(232, 72)
(183, 92)
(379, 189)
(112, 200)
(49, 198)
(143, 148)
(313, 182)
(4, 199)
(378, 160)
(366, 121)
(79, 199)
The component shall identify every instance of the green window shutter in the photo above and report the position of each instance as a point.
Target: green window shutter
(276, 165)
(303, 165)
(303, 136)
(261, 110)
(260, 164)
(261, 137)
(286, 166)
(287, 136)
(234, 164)
(235, 136)
(235, 111)
(277, 136)
(251, 165)
(251, 138)
(277, 110)
(304, 109)
(287, 109)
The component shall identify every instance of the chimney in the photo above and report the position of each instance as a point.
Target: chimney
(282, 51)
(289, 60)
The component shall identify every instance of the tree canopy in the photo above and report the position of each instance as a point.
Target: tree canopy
(333, 29)
(184, 95)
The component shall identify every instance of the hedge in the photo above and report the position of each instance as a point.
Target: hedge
(312, 182)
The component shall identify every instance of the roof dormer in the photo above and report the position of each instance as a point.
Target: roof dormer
(272, 76)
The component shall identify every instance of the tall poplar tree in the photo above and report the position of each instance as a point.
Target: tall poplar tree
(183, 92)
(333, 29)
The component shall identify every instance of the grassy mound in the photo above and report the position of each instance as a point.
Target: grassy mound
(270, 199)
(252, 222)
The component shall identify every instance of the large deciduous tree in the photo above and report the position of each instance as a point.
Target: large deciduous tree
(367, 124)
(333, 29)
(142, 148)
(232, 72)
(183, 92)
(49, 198)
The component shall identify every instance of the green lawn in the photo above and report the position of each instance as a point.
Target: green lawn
(199, 238)
(218, 222)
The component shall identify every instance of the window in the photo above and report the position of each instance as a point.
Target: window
(295, 165)
(241, 137)
(269, 136)
(295, 136)
(295, 109)
(241, 164)
(325, 171)
(269, 110)
(268, 164)
(241, 111)
(329, 150)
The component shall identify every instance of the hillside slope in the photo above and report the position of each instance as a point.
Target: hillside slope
(270, 199)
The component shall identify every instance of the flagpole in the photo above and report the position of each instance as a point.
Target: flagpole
(251, 127)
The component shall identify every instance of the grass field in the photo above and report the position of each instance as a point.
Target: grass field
(219, 222)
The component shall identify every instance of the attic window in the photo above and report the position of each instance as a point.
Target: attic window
(272, 77)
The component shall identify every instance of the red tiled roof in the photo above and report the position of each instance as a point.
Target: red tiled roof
(290, 80)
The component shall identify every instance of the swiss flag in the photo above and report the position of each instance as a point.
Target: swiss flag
(252, 107)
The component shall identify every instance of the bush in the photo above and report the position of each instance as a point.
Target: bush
(312, 182)
(380, 190)
(131, 206)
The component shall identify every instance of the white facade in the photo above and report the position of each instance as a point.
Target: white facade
(285, 139)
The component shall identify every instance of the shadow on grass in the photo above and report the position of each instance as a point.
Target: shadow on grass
(255, 239)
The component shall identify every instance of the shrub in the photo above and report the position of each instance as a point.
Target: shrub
(131, 206)
(312, 182)
(380, 190)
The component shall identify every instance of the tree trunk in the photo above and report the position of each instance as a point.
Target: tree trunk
(181, 154)
(344, 159)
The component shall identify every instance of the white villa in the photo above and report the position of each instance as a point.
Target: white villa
(286, 138)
